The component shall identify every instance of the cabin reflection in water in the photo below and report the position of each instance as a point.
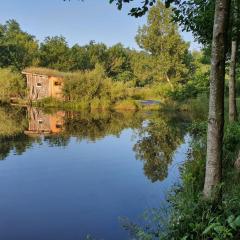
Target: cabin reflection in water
(43, 123)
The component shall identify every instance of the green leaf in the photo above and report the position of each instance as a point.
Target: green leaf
(210, 227)
(237, 221)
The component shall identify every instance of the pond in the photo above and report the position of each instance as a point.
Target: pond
(66, 175)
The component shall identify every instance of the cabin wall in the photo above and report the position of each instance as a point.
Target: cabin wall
(42, 86)
(38, 86)
(56, 87)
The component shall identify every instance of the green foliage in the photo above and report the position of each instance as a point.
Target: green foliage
(158, 141)
(196, 16)
(117, 63)
(45, 71)
(126, 105)
(142, 68)
(231, 144)
(161, 38)
(97, 53)
(79, 58)
(86, 85)
(113, 74)
(199, 82)
(54, 53)
(211, 221)
(90, 125)
(12, 84)
(12, 121)
(18, 49)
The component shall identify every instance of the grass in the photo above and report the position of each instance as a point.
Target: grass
(95, 104)
(126, 105)
(45, 71)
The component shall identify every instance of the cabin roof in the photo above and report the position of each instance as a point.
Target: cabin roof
(43, 72)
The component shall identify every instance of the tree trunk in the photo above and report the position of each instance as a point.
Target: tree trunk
(169, 81)
(232, 83)
(237, 162)
(213, 173)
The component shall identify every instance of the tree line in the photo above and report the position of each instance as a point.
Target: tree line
(164, 61)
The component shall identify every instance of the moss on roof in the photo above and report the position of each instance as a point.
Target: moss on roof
(45, 71)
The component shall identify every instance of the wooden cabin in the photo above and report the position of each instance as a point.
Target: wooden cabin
(42, 85)
(42, 123)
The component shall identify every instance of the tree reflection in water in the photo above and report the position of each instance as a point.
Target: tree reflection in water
(159, 135)
(21, 127)
(159, 139)
(13, 122)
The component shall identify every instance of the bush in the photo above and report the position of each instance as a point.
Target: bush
(94, 87)
(198, 85)
(126, 105)
(85, 85)
(12, 84)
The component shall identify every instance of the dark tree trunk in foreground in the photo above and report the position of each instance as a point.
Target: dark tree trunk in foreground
(232, 83)
(216, 102)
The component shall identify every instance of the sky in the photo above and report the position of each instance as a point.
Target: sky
(80, 22)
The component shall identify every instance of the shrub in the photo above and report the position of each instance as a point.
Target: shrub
(87, 84)
(126, 105)
(118, 91)
(12, 84)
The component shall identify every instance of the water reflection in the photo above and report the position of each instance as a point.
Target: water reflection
(40, 122)
(159, 139)
(158, 135)
(76, 164)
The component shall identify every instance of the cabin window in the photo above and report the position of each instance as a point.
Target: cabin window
(57, 83)
(39, 84)
(40, 121)
(58, 125)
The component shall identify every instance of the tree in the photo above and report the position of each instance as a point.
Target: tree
(213, 175)
(233, 60)
(54, 53)
(97, 53)
(79, 58)
(18, 49)
(196, 17)
(160, 37)
(117, 62)
(142, 67)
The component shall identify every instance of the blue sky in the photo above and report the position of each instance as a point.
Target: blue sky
(78, 21)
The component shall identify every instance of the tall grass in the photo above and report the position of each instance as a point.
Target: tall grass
(12, 84)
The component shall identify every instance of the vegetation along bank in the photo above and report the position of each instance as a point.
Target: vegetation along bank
(98, 76)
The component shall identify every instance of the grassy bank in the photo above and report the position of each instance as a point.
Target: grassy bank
(81, 90)
(96, 104)
(194, 218)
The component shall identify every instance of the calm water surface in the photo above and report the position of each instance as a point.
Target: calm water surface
(66, 175)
